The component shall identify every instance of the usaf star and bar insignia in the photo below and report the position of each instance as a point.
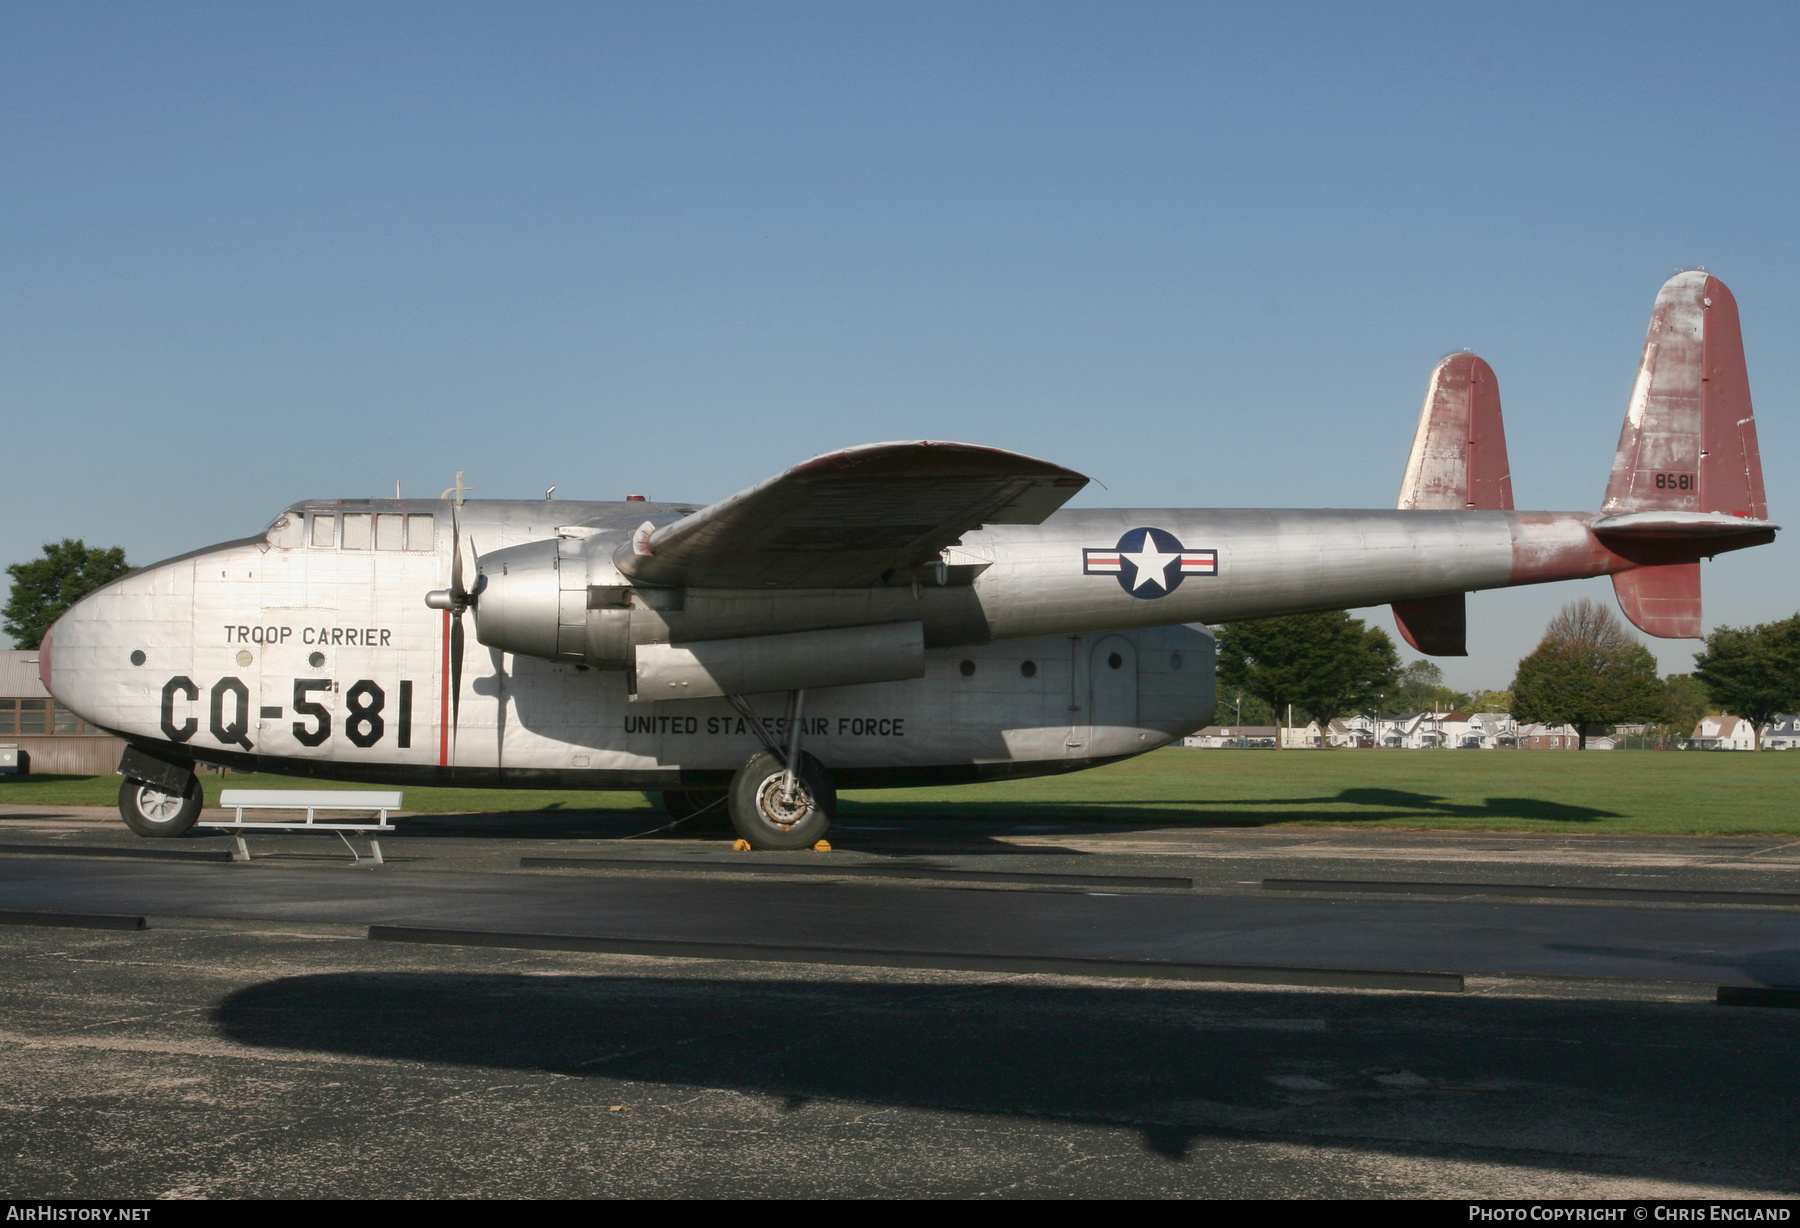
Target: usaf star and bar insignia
(1149, 563)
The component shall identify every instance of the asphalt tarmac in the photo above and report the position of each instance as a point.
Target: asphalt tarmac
(254, 1041)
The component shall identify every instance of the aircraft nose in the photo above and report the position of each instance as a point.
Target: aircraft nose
(71, 648)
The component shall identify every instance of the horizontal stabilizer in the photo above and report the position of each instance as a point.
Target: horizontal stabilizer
(1436, 626)
(1682, 526)
(850, 518)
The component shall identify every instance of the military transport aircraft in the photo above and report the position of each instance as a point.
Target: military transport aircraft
(890, 614)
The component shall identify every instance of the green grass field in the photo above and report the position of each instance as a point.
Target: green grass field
(1617, 792)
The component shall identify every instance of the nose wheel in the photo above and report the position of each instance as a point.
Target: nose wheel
(152, 811)
(773, 812)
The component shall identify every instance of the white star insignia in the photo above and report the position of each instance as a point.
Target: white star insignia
(1151, 565)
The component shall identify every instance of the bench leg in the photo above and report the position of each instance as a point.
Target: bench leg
(239, 850)
(356, 858)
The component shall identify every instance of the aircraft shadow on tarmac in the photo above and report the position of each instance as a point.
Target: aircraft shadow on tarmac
(1623, 1087)
(1348, 806)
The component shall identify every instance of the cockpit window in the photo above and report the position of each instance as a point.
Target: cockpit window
(288, 531)
(361, 531)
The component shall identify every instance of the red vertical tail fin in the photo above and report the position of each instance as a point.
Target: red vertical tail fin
(1688, 444)
(1689, 441)
(1458, 461)
(1459, 454)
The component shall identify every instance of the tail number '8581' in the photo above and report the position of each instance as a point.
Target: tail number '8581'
(365, 712)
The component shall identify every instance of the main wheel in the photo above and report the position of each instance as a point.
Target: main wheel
(769, 817)
(149, 811)
(699, 809)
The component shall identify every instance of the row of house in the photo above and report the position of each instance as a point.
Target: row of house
(1407, 731)
(1482, 731)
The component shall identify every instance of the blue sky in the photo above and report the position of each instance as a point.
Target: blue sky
(1206, 254)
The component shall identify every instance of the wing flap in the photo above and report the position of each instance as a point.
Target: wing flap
(849, 518)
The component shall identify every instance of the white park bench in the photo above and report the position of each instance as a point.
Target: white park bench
(312, 801)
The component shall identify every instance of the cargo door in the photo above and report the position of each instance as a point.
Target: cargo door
(1112, 684)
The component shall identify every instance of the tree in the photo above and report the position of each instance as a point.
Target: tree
(1685, 701)
(1324, 664)
(1490, 701)
(1587, 671)
(1753, 672)
(1238, 707)
(43, 588)
(1420, 687)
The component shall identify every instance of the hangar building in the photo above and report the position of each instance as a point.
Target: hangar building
(53, 741)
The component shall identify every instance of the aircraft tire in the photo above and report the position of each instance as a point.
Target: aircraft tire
(698, 809)
(762, 817)
(149, 811)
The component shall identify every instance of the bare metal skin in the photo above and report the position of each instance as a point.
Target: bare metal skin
(902, 613)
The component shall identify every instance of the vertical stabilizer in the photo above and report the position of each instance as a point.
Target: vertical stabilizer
(1689, 442)
(1459, 454)
(1458, 462)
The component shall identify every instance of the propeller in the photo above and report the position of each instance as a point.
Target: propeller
(456, 599)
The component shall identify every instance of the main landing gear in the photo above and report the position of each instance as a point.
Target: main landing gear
(782, 799)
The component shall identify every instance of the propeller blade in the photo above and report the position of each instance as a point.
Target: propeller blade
(460, 599)
(456, 569)
(456, 670)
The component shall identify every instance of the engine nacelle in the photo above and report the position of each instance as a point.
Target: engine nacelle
(544, 599)
(536, 600)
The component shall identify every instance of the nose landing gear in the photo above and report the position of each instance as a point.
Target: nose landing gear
(151, 810)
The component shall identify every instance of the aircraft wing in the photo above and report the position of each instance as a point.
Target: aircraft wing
(849, 518)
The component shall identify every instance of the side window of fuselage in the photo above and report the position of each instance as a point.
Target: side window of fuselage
(371, 531)
(357, 531)
(390, 529)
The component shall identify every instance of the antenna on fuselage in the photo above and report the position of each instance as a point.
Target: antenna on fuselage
(459, 490)
(549, 493)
